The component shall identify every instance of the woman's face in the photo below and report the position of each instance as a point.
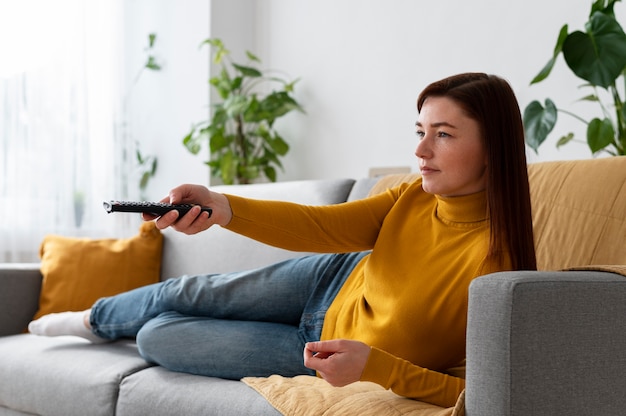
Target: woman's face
(451, 153)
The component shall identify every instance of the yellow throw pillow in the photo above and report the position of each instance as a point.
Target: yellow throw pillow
(78, 271)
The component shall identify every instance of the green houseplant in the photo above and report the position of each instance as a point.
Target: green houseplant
(243, 143)
(147, 164)
(143, 165)
(597, 56)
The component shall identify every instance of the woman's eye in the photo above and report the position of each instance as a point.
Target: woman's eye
(442, 134)
(420, 134)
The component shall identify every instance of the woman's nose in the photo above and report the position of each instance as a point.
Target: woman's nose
(423, 150)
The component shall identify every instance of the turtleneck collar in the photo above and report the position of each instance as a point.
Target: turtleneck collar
(463, 209)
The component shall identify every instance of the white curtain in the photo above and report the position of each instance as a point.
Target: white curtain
(62, 150)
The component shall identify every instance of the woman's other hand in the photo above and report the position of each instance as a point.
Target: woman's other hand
(339, 362)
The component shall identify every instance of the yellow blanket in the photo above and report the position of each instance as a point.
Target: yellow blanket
(308, 395)
(610, 268)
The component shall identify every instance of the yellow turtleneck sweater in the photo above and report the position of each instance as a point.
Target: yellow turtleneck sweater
(408, 298)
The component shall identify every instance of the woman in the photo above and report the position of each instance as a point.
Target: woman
(396, 315)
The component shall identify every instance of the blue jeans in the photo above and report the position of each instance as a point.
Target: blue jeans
(233, 325)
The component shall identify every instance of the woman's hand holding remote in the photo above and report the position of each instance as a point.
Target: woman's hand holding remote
(195, 220)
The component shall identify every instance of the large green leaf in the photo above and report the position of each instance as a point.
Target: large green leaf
(565, 140)
(279, 145)
(270, 172)
(250, 171)
(219, 117)
(276, 105)
(600, 134)
(219, 141)
(545, 71)
(222, 83)
(271, 157)
(236, 83)
(248, 71)
(191, 143)
(604, 6)
(152, 64)
(235, 105)
(598, 56)
(220, 50)
(228, 167)
(539, 122)
(252, 56)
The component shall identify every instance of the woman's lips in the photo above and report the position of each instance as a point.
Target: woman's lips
(426, 170)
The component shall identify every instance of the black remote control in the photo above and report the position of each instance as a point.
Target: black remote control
(155, 208)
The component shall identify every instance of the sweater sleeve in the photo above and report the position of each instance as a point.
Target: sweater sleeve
(346, 227)
(409, 380)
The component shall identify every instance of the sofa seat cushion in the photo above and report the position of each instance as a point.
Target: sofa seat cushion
(64, 376)
(158, 392)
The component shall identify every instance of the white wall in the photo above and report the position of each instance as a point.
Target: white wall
(362, 64)
(164, 104)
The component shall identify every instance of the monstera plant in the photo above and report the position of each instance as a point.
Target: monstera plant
(597, 56)
(243, 143)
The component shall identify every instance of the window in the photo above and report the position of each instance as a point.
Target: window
(61, 124)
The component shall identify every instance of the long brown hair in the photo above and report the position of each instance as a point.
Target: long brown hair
(490, 101)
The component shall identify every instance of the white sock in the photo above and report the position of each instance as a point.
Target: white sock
(64, 323)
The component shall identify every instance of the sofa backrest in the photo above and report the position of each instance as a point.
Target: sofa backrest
(218, 250)
(579, 218)
(579, 211)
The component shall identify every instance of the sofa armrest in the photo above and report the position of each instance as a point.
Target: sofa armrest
(546, 343)
(20, 284)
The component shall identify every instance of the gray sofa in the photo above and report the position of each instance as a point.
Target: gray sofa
(65, 376)
(538, 343)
